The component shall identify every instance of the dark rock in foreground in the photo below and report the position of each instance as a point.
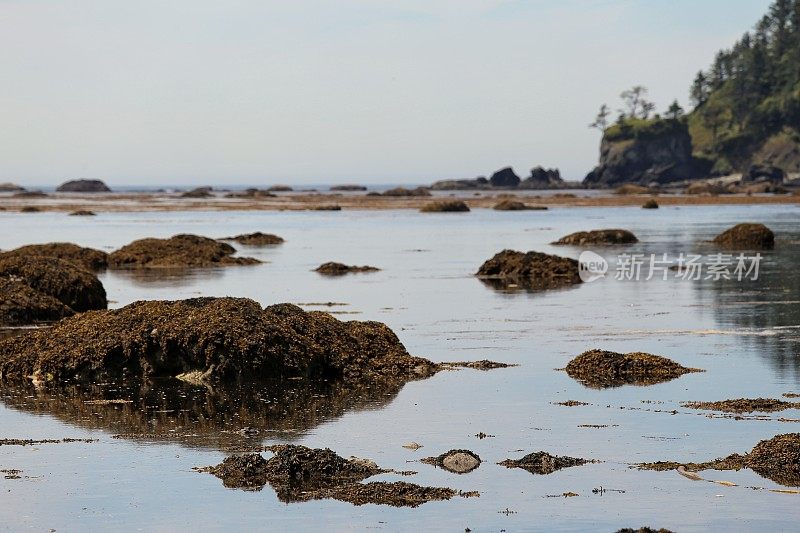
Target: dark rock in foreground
(179, 251)
(601, 368)
(301, 474)
(543, 463)
(601, 237)
(256, 239)
(455, 461)
(87, 258)
(531, 270)
(338, 269)
(445, 206)
(72, 285)
(83, 186)
(22, 305)
(208, 339)
(747, 236)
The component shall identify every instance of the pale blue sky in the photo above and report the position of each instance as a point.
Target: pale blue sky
(325, 91)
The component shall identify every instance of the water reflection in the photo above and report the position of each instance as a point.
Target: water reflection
(230, 418)
(163, 277)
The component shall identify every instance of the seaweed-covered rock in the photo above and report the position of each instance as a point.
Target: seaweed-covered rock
(72, 285)
(198, 192)
(348, 188)
(777, 459)
(255, 239)
(598, 237)
(650, 204)
(327, 207)
(747, 236)
(445, 206)
(179, 251)
(298, 474)
(87, 258)
(207, 339)
(402, 191)
(82, 213)
(543, 463)
(21, 305)
(743, 405)
(531, 270)
(338, 269)
(456, 461)
(279, 188)
(83, 186)
(516, 205)
(601, 368)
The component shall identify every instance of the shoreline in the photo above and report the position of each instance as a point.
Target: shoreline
(142, 202)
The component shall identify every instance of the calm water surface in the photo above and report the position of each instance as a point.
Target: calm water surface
(744, 334)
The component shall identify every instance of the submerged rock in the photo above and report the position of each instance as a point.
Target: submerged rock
(747, 236)
(743, 405)
(543, 463)
(210, 339)
(445, 206)
(515, 205)
(87, 258)
(83, 186)
(531, 270)
(601, 369)
(255, 239)
(22, 305)
(455, 461)
(179, 251)
(338, 269)
(600, 237)
(298, 474)
(72, 285)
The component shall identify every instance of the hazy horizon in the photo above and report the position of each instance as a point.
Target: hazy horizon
(315, 92)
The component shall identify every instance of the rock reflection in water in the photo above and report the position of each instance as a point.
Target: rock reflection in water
(236, 417)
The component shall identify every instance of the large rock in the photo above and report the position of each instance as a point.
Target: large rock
(208, 339)
(657, 151)
(542, 178)
(764, 173)
(531, 270)
(87, 258)
(747, 236)
(22, 305)
(83, 186)
(72, 285)
(179, 251)
(504, 177)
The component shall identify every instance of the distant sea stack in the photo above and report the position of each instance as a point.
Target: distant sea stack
(645, 152)
(83, 186)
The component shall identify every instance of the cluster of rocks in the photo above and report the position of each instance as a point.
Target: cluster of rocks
(506, 178)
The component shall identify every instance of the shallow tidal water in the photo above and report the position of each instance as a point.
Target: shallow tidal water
(746, 335)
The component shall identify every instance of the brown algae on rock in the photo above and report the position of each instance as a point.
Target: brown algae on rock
(598, 237)
(256, 239)
(332, 268)
(543, 463)
(455, 461)
(531, 270)
(743, 405)
(179, 251)
(747, 236)
(602, 369)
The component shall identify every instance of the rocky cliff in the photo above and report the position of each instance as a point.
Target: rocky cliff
(645, 152)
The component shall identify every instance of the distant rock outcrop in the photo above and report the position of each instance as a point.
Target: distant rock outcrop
(505, 177)
(542, 178)
(83, 186)
(645, 152)
(10, 187)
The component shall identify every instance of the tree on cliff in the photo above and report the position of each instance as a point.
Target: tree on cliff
(749, 98)
(601, 120)
(636, 105)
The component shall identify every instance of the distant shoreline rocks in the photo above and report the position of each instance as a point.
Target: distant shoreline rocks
(506, 178)
(83, 186)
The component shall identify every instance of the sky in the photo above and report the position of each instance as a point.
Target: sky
(211, 92)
